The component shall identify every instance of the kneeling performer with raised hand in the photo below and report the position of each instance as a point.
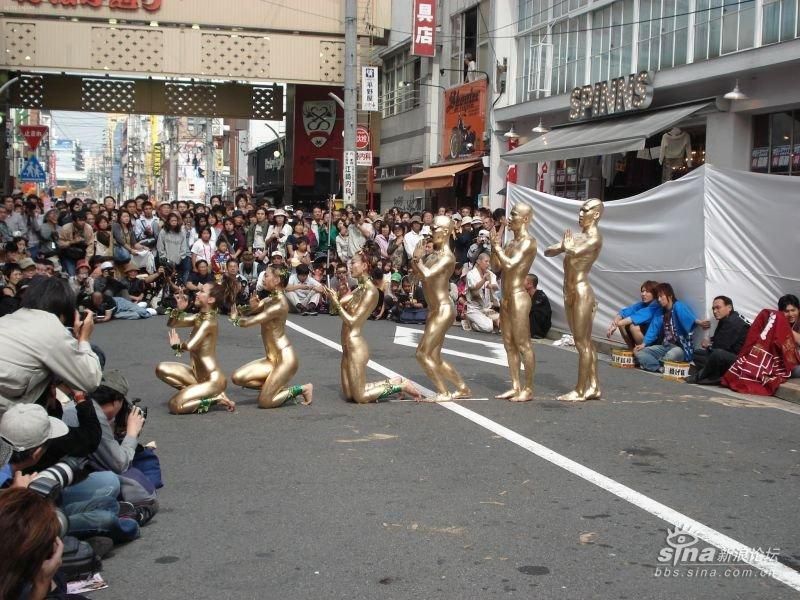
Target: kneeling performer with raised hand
(272, 373)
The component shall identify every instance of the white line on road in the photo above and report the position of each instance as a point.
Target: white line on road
(406, 336)
(769, 566)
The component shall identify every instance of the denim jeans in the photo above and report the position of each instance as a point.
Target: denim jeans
(651, 357)
(92, 509)
(127, 310)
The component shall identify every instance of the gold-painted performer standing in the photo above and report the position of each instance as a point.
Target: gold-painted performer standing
(434, 271)
(272, 374)
(202, 383)
(581, 251)
(354, 309)
(515, 263)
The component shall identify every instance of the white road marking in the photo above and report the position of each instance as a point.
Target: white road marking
(406, 336)
(769, 566)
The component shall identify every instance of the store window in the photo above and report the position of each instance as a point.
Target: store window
(780, 21)
(569, 54)
(400, 86)
(723, 27)
(470, 35)
(776, 143)
(532, 80)
(612, 42)
(663, 33)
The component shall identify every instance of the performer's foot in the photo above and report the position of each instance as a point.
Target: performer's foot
(508, 395)
(462, 392)
(574, 396)
(525, 395)
(410, 389)
(592, 393)
(223, 400)
(308, 394)
(446, 397)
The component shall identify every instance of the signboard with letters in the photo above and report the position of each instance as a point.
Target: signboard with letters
(364, 158)
(464, 119)
(33, 134)
(622, 94)
(423, 29)
(349, 177)
(148, 5)
(362, 138)
(369, 88)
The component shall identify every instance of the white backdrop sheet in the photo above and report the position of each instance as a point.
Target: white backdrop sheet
(711, 232)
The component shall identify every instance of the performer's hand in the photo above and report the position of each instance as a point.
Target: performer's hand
(254, 301)
(174, 338)
(330, 293)
(181, 301)
(493, 237)
(568, 242)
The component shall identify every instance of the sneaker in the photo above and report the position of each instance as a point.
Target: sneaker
(311, 310)
(152, 312)
(126, 509)
(465, 325)
(146, 511)
(299, 308)
(142, 305)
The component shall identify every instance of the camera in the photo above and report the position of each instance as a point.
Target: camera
(50, 482)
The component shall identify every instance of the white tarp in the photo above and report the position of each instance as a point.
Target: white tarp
(712, 232)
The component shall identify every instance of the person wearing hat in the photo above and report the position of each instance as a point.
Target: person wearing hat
(413, 237)
(250, 269)
(82, 283)
(25, 430)
(480, 245)
(28, 268)
(279, 232)
(464, 239)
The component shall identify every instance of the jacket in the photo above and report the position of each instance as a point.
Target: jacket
(730, 334)
(683, 319)
(172, 246)
(640, 313)
(110, 454)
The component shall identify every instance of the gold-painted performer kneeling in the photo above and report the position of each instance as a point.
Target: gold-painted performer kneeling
(515, 262)
(434, 271)
(272, 374)
(354, 309)
(581, 251)
(202, 383)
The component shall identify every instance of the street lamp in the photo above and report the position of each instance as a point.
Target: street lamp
(280, 141)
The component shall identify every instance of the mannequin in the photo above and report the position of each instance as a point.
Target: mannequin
(676, 151)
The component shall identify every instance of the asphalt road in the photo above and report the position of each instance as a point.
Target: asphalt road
(403, 500)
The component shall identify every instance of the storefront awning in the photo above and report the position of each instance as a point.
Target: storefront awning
(605, 137)
(438, 177)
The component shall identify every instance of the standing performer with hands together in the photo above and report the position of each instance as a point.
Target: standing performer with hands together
(272, 373)
(434, 272)
(202, 383)
(581, 251)
(515, 262)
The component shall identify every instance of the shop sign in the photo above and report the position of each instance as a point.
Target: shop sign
(362, 138)
(464, 119)
(423, 42)
(622, 94)
(364, 158)
(319, 118)
(148, 5)
(158, 157)
(349, 177)
(369, 88)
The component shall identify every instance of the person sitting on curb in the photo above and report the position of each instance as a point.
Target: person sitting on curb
(718, 354)
(540, 317)
(669, 337)
(633, 321)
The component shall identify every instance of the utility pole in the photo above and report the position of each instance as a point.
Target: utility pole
(350, 115)
(210, 159)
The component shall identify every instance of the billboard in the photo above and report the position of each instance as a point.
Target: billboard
(464, 120)
(318, 126)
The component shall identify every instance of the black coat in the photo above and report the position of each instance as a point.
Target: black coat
(540, 315)
(730, 334)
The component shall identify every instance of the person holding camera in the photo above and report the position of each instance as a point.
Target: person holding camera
(75, 241)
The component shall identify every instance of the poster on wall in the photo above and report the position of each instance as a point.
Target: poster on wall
(369, 88)
(464, 120)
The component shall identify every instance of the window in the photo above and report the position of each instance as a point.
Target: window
(569, 55)
(612, 42)
(776, 143)
(533, 80)
(663, 33)
(722, 27)
(400, 85)
(470, 35)
(780, 21)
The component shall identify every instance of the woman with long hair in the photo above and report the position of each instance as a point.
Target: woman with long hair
(173, 247)
(127, 248)
(278, 233)
(201, 384)
(48, 232)
(103, 239)
(272, 373)
(31, 552)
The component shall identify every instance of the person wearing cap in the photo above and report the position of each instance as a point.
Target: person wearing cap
(50, 350)
(279, 232)
(82, 284)
(464, 239)
(28, 268)
(413, 237)
(250, 269)
(481, 244)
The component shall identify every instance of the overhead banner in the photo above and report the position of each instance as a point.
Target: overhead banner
(369, 88)
(423, 41)
(464, 119)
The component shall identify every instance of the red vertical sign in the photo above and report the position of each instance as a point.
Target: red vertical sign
(511, 173)
(423, 42)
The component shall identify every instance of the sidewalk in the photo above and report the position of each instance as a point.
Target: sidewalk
(789, 391)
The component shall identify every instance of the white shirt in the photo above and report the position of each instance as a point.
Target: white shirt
(410, 241)
(202, 250)
(481, 298)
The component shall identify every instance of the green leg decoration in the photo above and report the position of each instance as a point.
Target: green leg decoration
(389, 390)
(295, 391)
(205, 404)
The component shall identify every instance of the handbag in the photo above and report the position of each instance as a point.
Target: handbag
(121, 255)
(73, 253)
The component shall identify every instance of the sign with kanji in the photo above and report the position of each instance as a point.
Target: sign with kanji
(369, 88)
(423, 42)
(33, 134)
(364, 158)
(149, 5)
(32, 171)
(349, 177)
(362, 138)
(158, 158)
